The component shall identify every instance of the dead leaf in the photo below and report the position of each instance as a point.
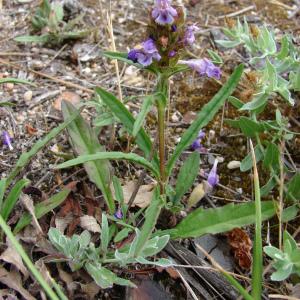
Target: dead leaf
(67, 96)
(241, 245)
(90, 223)
(197, 195)
(29, 205)
(10, 280)
(11, 256)
(91, 289)
(143, 197)
(68, 280)
(61, 223)
(30, 130)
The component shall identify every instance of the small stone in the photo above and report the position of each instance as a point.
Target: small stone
(28, 96)
(175, 118)
(10, 86)
(234, 164)
(36, 65)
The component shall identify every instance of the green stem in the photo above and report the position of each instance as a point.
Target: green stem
(38, 276)
(162, 150)
(257, 251)
(162, 92)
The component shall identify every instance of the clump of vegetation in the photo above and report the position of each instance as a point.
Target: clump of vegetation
(49, 22)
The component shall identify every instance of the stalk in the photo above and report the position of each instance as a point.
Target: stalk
(162, 96)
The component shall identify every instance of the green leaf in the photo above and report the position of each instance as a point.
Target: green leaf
(272, 155)
(2, 191)
(118, 189)
(111, 156)
(216, 58)
(290, 213)
(162, 262)
(284, 51)
(282, 274)
(257, 103)
(122, 234)
(293, 188)
(249, 127)
(273, 252)
(217, 220)
(15, 80)
(235, 102)
(12, 198)
(268, 187)
(228, 44)
(33, 38)
(26, 157)
(104, 277)
(126, 118)
(146, 107)
(104, 234)
(42, 209)
(187, 175)
(247, 162)
(205, 116)
(85, 142)
(271, 76)
(4, 103)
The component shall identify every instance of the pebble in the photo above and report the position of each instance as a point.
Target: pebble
(28, 96)
(175, 118)
(36, 65)
(234, 164)
(10, 86)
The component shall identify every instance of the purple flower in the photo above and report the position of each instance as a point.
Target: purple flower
(7, 140)
(213, 178)
(163, 13)
(196, 145)
(118, 214)
(146, 54)
(189, 36)
(172, 53)
(173, 28)
(203, 67)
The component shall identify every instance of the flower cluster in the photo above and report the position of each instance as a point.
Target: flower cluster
(163, 13)
(146, 54)
(167, 42)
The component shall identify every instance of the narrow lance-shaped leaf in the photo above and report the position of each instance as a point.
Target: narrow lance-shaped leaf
(126, 118)
(217, 220)
(85, 141)
(187, 175)
(111, 156)
(205, 116)
(12, 198)
(146, 106)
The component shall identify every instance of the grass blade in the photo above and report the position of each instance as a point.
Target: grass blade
(37, 275)
(84, 141)
(205, 116)
(112, 156)
(2, 191)
(27, 156)
(15, 80)
(12, 198)
(126, 118)
(257, 269)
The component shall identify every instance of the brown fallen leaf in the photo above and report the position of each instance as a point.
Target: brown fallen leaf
(90, 223)
(143, 197)
(11, 256)
(91, 289)
(30, 130)
(67, 96)
(10, 279)
(241, 246)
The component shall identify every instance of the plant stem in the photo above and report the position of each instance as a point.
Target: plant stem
(161, 130)
(162, 92)
(257, 251)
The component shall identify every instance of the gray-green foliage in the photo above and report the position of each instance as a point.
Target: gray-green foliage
(286, 261)
(80, 253)
(49, 18)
